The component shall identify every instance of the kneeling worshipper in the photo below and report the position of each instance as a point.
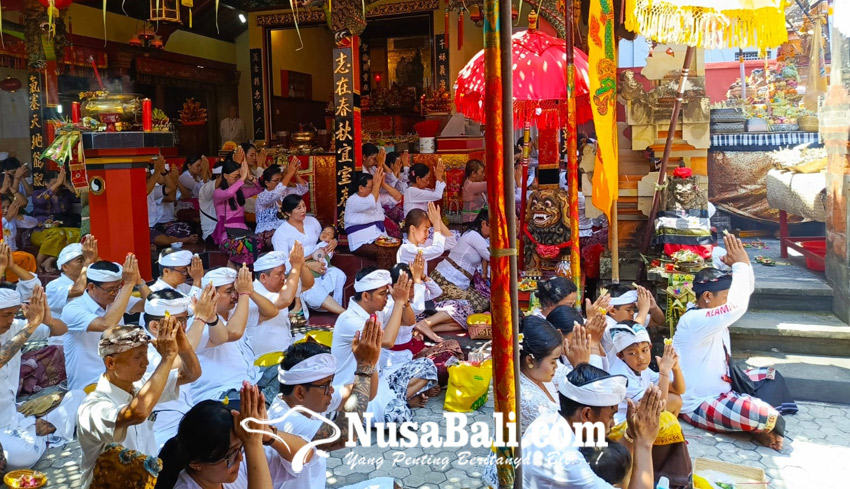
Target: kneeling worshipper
(158, 306)
(225, 355)
(365, 221)
(588, 395)
(73, 261)
(278, 281)
(409, 344)
(176, 267)
(306, 381)
(669, 452)
(629, 304)
(120, 409)
(406, 386)
(214, 450)
(25, 438)
(108, 296)
(721, 396)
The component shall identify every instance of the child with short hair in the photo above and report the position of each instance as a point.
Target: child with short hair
(325, 248)
(633, 347)
(612, 464)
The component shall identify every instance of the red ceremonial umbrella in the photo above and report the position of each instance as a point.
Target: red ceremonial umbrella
(539, 89)
(539, 82)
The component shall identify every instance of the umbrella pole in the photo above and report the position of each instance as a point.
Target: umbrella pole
(743, 75)
(526, 155)
(668, 146)
(572, 154)
(504, 304)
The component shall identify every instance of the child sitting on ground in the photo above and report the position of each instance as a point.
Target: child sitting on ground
(629, 304)
(612, 463)
(632, 344)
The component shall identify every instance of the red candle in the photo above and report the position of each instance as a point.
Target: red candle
(147, 116)
(75, 112)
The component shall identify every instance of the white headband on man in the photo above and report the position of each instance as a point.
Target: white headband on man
(625, 336)
(105, 275)
(308, 370)
(219, 277)
(158, 306)
(9, 298)
(68, 253)
(629, 297)
(604, 392)
(375, 280)
(182, 258)
(270, 261)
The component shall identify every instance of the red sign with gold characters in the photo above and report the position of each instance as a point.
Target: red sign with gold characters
(344, 125)
(37, 143)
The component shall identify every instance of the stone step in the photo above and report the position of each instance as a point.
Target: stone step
(794, 332)
(809, 377)
(797, 295)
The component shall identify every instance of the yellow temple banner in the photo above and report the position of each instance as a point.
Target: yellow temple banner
(602, 68)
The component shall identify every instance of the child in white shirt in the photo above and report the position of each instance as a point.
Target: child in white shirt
(633, 347)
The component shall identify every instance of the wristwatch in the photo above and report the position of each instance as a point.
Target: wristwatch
(366, 370)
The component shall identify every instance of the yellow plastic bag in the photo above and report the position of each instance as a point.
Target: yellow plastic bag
(468, 387)
(669, 430)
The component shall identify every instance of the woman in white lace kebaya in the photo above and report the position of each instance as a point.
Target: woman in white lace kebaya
(540, 348)
(275, 187)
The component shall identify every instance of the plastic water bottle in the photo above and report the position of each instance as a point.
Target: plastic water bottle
(663, 483)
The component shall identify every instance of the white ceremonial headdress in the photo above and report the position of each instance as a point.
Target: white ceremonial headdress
(105, 275)
(625, 336)
(604, 392)
(629, 297)
(269, 261)
(182, 258)
(219, 277)
(217, 170)
(9, 298)
(158, 306)
(308, 370)
(68, 253)
(375, 280)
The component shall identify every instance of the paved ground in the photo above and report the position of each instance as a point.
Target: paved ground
(816, 458)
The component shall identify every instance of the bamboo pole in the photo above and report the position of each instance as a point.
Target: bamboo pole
(503, 254)
(668, 146)
(614, 229)
(572, 154)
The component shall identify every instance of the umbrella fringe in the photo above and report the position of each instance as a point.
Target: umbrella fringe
(669, 23)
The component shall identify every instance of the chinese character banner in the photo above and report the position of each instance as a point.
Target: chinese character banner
(442, 62)
(344, 137)
(257, 100)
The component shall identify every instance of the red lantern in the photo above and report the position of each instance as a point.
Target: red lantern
(10, 84)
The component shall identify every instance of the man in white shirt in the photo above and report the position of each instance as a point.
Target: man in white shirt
(108, 296)
(705, 350)
(73, 260)
(306, 376)
(119, 410)
(176, 305)
(25, 438)
(176, 266)
(403, 388)
(206, 204)
(225, 355)
(274, 335)
(232, 128)
(589, 395)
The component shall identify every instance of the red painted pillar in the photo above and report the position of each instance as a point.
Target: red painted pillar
(118, 203)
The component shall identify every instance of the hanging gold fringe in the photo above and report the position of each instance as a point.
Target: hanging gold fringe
(666, 22)
(190, 4)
